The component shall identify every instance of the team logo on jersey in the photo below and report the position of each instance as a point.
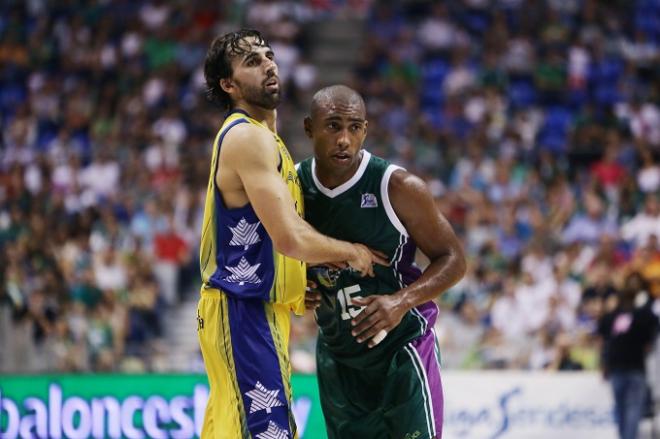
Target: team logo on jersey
(263, 399)
(369, 200)
(244, 234)
(243, 273)
(273, 432)
(325, 277)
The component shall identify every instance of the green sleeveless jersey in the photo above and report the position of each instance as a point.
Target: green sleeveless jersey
(360, 211)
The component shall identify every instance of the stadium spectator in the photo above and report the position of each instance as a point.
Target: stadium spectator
(628, 333)
(533, 121)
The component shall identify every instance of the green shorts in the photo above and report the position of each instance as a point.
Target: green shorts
(401, 400)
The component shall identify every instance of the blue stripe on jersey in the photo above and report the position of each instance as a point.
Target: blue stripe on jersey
(260, 383)
(244, 255)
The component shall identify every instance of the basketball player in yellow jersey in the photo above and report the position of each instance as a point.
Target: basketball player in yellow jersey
(253, 242)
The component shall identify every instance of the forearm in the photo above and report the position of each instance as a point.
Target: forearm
(443, 272)
(306, 244)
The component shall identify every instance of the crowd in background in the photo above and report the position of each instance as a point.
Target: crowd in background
(537, 127)
(104, 159)
(535, 123)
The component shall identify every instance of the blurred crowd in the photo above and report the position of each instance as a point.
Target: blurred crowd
(537, 126)
(104, 157)
(535, 123)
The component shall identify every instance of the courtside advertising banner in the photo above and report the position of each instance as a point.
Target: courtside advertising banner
(528, 405)
(124, 406)
(488, 405)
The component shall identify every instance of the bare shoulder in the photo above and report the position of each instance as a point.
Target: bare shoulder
(403, 185)
(245, 141)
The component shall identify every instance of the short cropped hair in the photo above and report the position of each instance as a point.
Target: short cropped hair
(217, 65)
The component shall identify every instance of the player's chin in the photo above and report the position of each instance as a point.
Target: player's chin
(273, 99)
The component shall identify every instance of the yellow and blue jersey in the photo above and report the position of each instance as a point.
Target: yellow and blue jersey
(243, 314)
(236, 254)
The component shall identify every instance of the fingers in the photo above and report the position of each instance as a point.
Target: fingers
(376, 339)
(312, 300)
(365, 329)
(362, 261)
(380, 260)
(363, 321)
(362, 301)
(379, 257)
(371, 330)
(369, 325)
(312, 296)
(367, 270)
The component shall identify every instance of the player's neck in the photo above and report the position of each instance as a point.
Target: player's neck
(260, 114)
(331, 177)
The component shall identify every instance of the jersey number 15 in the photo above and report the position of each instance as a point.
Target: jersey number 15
(348, 310)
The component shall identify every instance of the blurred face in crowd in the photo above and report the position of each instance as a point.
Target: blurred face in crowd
(337, 127)
(651, 205)
(254, 80)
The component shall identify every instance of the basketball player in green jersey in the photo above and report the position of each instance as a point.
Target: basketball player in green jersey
(253, 242)
(377, 354)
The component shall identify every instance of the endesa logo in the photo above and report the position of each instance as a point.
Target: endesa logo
(133, 417)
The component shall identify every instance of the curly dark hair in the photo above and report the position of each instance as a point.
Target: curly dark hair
(217, 65)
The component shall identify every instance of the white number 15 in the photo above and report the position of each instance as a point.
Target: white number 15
(348, 310)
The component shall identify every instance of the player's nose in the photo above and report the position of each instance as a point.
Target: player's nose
(270, 66)
(343, 141)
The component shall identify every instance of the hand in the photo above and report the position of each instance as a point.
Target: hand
(381, 313)
(364, 259)
(312, 296)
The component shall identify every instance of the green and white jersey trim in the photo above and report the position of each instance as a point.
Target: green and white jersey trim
(332, 193)
(385, 196)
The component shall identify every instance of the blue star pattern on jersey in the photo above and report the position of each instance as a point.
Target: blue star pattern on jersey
(243, 272)
(273, 432)
(244, 234)
(263, 399)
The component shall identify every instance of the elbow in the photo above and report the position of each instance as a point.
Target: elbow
(460, 264)
(287, 244)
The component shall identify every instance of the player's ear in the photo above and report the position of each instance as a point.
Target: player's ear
(227, 85)
(366, 126)
(308, 126)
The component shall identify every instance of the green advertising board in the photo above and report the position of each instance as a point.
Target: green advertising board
(125, 406)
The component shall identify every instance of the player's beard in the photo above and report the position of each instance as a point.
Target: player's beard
(261, 97)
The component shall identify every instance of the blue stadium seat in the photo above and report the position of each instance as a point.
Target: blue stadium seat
(432, 94)
(522, 93)
(435, 70)
(554, 132)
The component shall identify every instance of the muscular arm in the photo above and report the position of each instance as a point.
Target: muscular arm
(250, 153)
(435, 237)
